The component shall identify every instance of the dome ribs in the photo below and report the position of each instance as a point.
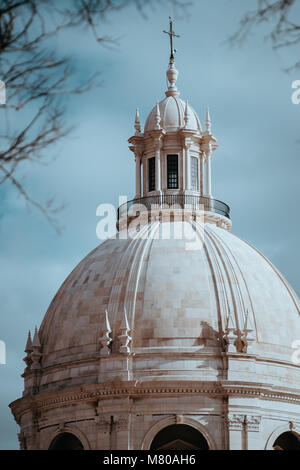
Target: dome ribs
(236, 283)
(134, 277)
(236, 327)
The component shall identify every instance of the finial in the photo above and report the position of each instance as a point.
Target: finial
(36, 341)
(248, 334)
(36, 351)
(157, 117)
(28, 347)
(172, 72)
(208, 121)
(230, 334)
(106, 340)
(125, 338)
(186, 115)
(229, 321)
(137, 124)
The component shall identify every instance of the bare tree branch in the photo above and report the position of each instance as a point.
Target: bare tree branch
(37, 78)
(284, 31)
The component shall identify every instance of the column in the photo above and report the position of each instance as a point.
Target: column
(254, 438)
(145, 175)
(103, 432)
(235, 427)
(123, 432)
(208, 175)
(137, 177)
(157, 171)
(187, 167)
(201, 179)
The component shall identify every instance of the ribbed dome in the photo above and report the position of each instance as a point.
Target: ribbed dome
(172, 109)
(176, 300)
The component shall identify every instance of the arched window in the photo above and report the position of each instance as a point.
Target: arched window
(287, 441)
(179, 437)
(66, 441)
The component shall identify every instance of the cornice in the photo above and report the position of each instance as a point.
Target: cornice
(132, 389)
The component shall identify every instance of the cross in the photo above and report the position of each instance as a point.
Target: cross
(171, 35)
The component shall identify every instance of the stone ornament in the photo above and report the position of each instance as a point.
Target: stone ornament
(125, 338)
(235, 422)
(106, 340)
(36, 352)
(253, 422)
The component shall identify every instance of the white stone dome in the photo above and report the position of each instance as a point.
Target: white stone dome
(172, 110)
(177, 301)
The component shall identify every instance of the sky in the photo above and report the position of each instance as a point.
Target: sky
(255, 169)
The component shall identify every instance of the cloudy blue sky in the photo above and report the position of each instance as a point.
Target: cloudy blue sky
(255, 170)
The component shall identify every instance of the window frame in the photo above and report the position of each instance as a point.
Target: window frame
(194, 172)
(151, 174)
(171, 179)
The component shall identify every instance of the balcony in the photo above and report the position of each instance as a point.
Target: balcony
(182, 201)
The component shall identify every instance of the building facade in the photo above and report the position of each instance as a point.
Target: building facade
(176, 334)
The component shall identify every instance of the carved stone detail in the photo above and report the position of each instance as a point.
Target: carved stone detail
(106, 340)
(125, 338)
(36, 352)
(235, 422)
(122, 423)
(103, 423)
(253, 422)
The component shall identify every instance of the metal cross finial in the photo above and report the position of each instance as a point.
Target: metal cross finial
(171, 34)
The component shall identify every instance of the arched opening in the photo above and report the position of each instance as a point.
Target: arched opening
(179, 437)
(287, 441)
(66, 441)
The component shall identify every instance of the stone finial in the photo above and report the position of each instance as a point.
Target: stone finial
(125, 338)
(208, 120)
(247, 334)
(28, 349)
(230, 335)
(186, 115)
(106, 340)
(137, 123)
(36, 352)
(157, 117)
(172, 75)
(235, 339)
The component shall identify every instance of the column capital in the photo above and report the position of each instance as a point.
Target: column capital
(253, 422)
(187, 142)
(157, 144)
(235, 422)
(122, 423)
(136, 145)
(137, 158)
(103, 423)
(157, 135)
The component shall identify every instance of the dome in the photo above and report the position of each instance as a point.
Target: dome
(175, 333)
(176, 299)
(172, 110)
